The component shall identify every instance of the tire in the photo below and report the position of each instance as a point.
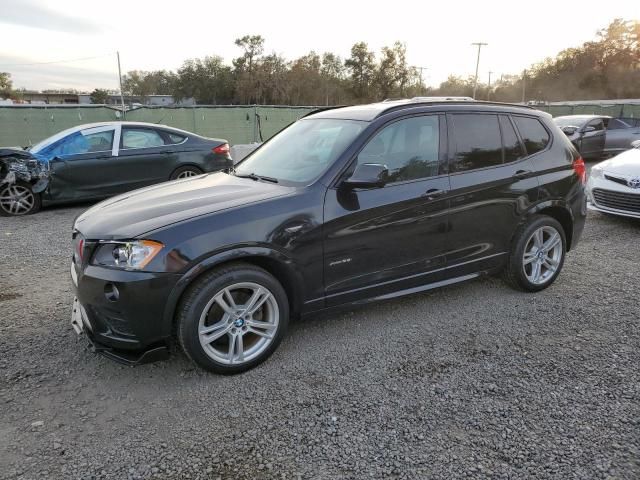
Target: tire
(520, 273)
(185, 172)
(27, 202)
(202, 314)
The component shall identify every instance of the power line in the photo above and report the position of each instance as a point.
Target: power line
(56, 61)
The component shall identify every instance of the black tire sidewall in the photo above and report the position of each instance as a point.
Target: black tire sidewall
(196, 300)
(517, 254)
(37, 200)
(179, 170)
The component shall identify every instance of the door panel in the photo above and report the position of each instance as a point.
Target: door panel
(145, 158)
(592, 143)
(391, 238)
(77, 164)
(487, 203)
(77, 177)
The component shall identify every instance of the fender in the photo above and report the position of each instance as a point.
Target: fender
(237, 252)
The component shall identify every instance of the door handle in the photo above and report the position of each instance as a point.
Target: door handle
(433, 193)
(166, 151)
(522, 174)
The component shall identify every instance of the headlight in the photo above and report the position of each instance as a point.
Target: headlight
(597, 172)
(131, 255)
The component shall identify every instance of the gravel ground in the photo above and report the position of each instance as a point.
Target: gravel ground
(470, 381)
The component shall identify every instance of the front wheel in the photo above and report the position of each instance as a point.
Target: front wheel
(18, 199)
(537, 254)
(233, 318)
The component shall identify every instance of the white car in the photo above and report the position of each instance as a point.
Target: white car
(614, 185)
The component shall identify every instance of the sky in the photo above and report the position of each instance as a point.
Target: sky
(62, 37)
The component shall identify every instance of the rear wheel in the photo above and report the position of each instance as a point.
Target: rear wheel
(537, 255)
(186, 172)
(233, 318)
(18, 199)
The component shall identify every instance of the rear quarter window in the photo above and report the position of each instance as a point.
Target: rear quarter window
(534, 136)
(174, 138)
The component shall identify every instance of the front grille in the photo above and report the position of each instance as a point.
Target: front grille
(629, 202)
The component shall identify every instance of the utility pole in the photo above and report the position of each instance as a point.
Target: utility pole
(475, 82)
(120, 78)
(421, 83)
(489, 86)
(524, 80)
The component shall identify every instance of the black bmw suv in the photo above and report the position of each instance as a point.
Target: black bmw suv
(345, 206)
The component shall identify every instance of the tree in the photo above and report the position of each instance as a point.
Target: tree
(247, 85)
(385, 76)
(208, 80)
(333, 79)
(362, 68)
(99, 96)
(142, 84)
(6, 85)
(253, 45)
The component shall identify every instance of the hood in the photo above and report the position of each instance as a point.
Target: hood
(140, 211)
(626, 164)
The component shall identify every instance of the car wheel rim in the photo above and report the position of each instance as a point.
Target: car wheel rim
(187, 174)
(239, 323)
(17, 200)
(542, 255)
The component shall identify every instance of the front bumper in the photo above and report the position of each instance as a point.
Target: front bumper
(606, 196)
(121, 312)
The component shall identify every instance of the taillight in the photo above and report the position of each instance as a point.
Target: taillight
(580, 169)
(221, 149)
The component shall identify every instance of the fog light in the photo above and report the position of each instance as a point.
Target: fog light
(111, 292)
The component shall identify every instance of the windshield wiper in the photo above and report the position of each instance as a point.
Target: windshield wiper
(255, 177)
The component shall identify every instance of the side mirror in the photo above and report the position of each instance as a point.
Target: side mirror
(368, 175)
(569, 130)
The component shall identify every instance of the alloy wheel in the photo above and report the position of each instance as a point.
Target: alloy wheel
(238, 323)
(17, 200)
(542, 255)
(187, 174)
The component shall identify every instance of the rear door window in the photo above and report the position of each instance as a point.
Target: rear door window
(477, 141)
(512, 146)
(533, 134)
(617, 124)
(141, 138)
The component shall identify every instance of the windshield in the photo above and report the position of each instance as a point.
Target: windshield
(303, 151)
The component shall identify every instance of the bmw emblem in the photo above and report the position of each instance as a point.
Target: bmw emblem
(634, 183)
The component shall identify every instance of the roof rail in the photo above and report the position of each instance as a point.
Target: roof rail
(441, 99)
(322, 109)
(417, 101)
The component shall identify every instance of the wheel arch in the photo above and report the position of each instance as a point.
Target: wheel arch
(274, 262)
(187, 164)
(559, 211)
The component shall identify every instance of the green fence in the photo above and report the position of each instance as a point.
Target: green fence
(618, 110)
(22, 125)
(25, 125)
